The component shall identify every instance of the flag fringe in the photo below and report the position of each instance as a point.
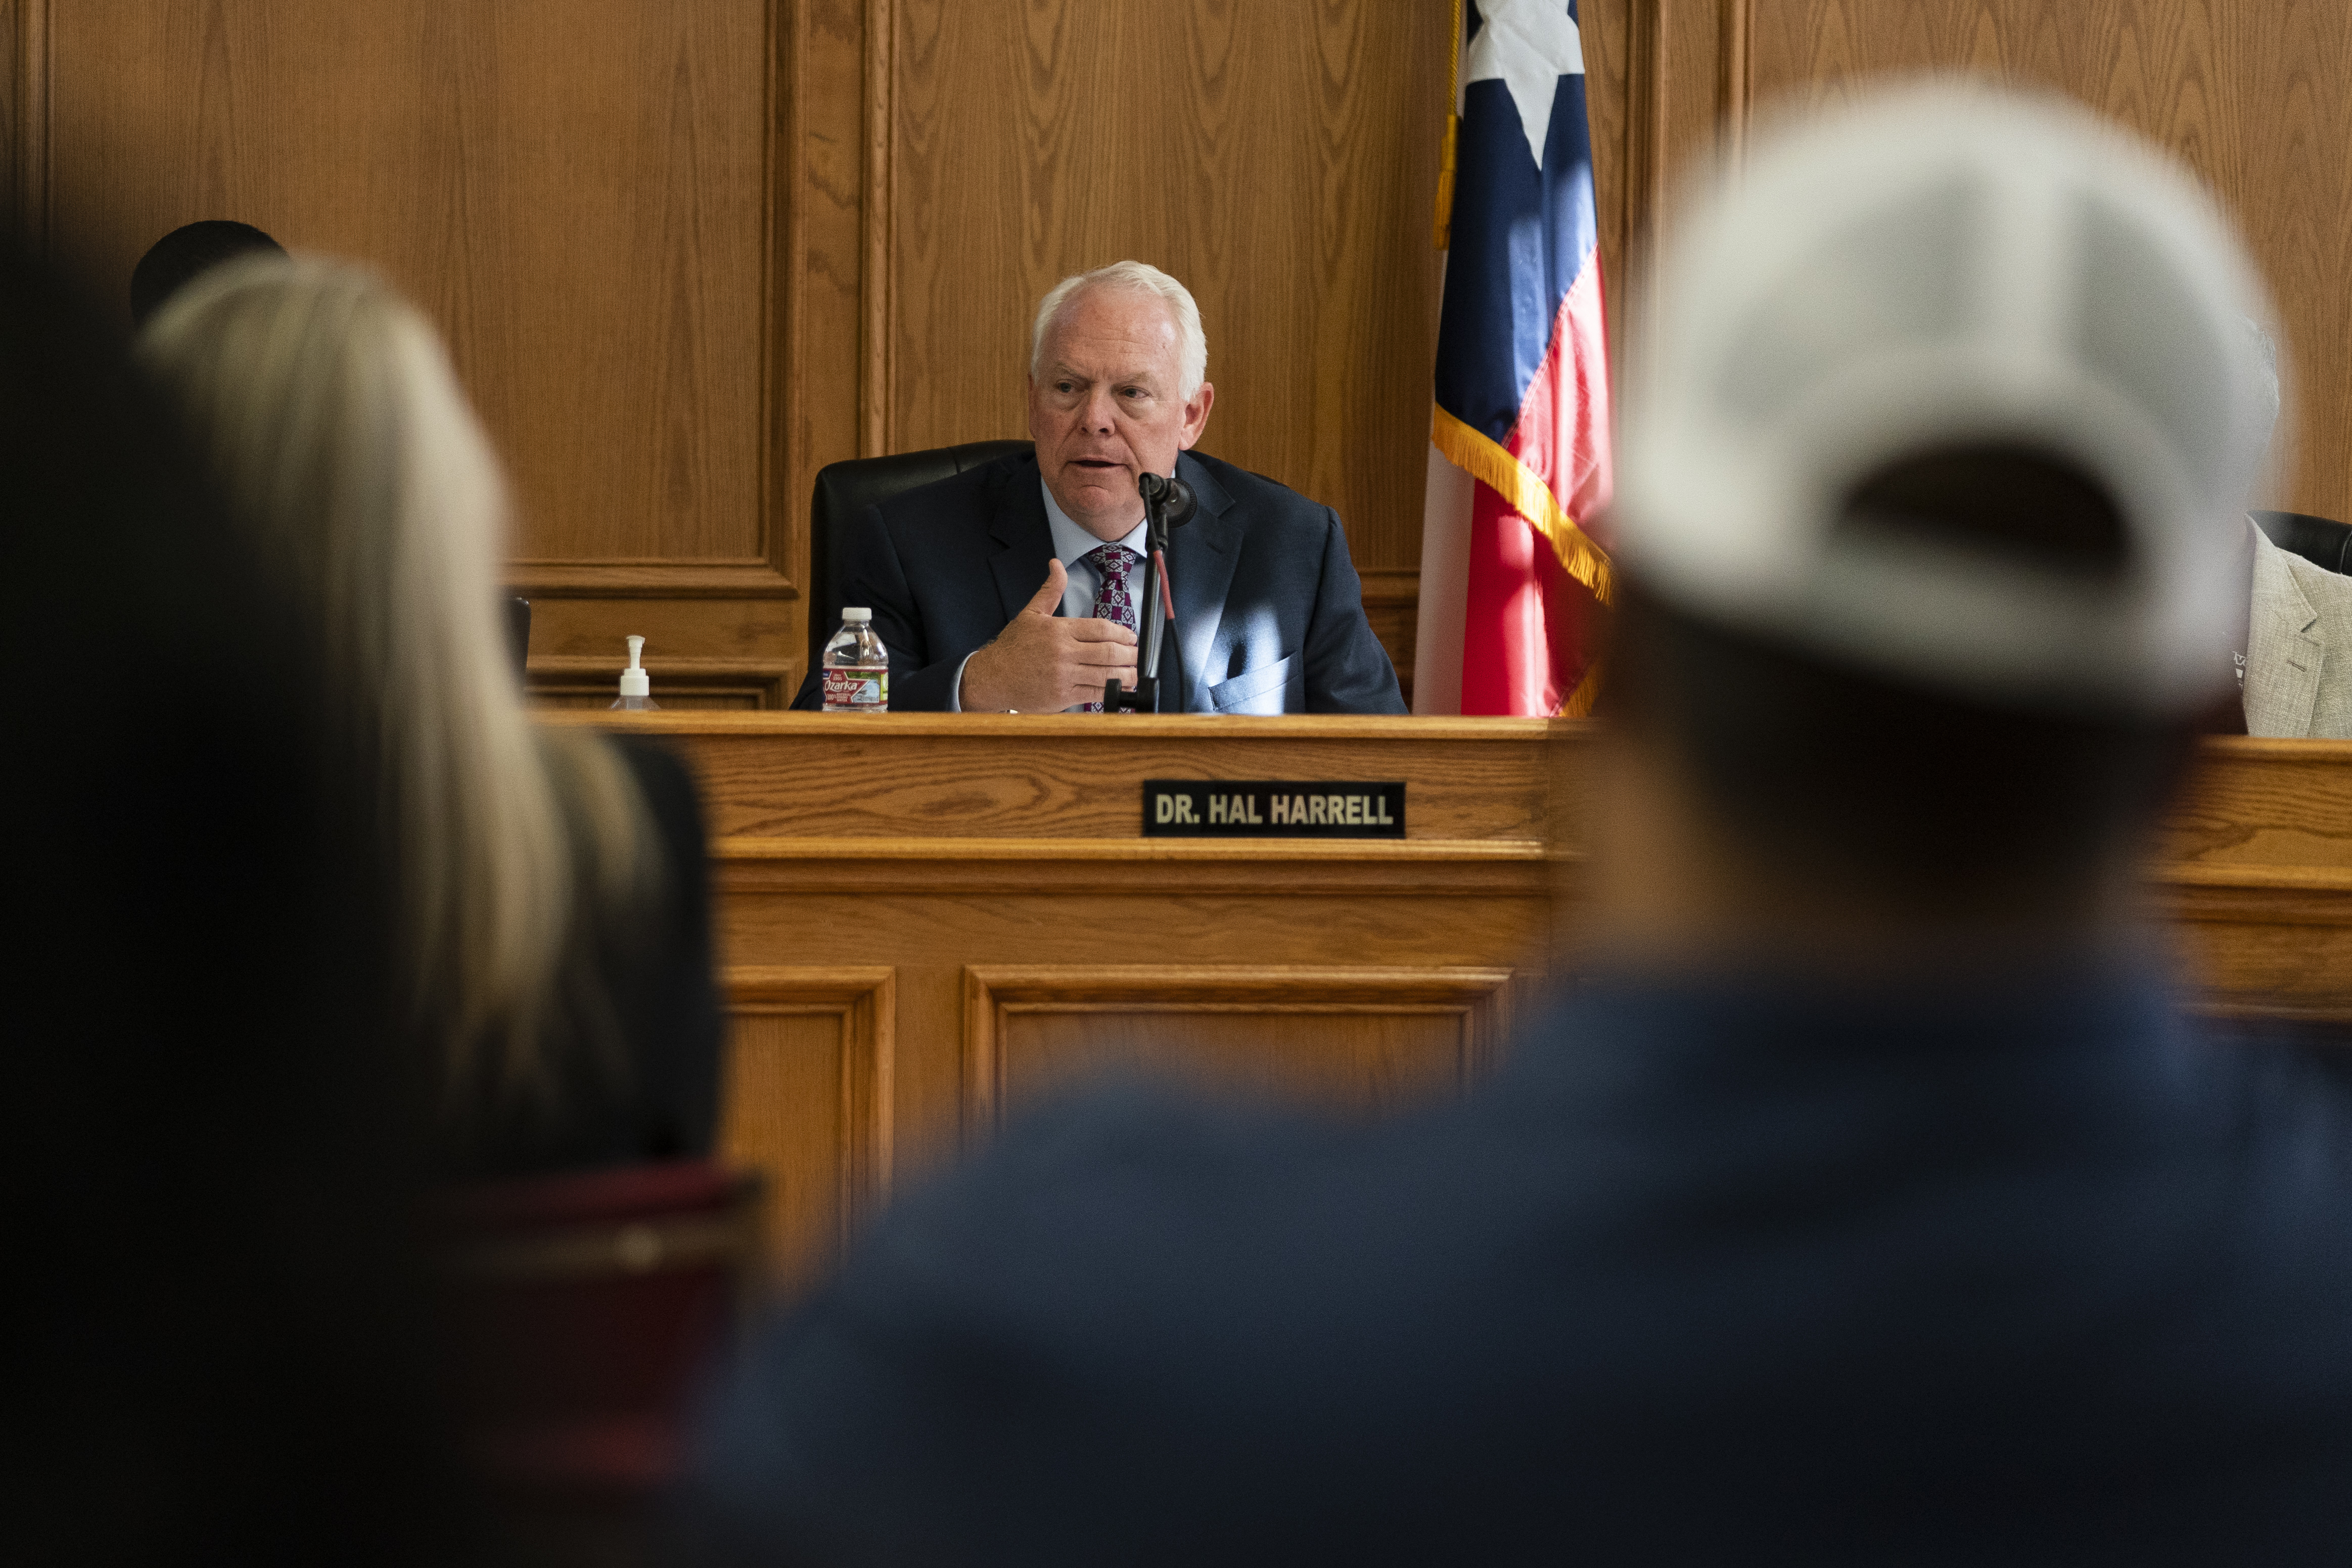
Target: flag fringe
(1578, 703)
(1484, 458)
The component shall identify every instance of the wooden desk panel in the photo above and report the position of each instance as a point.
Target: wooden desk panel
(2265, 803)
(928, 920)
(1401, 970)
(987, 775)
(1357, 1040)
(2255, 867)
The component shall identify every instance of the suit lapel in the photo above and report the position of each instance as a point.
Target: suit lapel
(2283, 659)
(1203, 554)
(1026, 540)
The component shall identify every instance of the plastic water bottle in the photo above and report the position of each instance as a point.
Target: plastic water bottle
(636, 687)
(857, 666)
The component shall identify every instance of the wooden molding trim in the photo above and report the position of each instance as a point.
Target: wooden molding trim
(2272, 896)
(649, 580)
(1128, 851)
(1013, 867)
(865, 1000)
(1062, 729)
(770, 682)
(2317, 879)
(1424, 867)
(2264, 1012)
(777, 297)
(1391, 585)
(32, 117)
(1735, 84)
(874, 371)
(2329, 754)
(995, 995)
(1645, 145)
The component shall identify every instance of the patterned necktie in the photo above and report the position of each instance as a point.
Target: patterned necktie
(1114, 601)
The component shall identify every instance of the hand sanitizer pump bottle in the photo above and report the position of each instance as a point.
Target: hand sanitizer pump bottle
(635, 687)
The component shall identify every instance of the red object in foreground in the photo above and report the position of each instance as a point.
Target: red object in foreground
(588, 1305)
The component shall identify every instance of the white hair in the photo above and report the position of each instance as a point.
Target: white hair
(1141, 277)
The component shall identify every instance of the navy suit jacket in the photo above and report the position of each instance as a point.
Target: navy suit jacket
(1268, 608)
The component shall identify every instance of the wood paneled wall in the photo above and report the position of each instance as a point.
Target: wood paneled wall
(578, 192)
(688, 254)
(2255, 96)
(1280, 158)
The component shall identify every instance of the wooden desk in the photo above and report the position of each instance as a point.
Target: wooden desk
(930, 918)
(2255, 867)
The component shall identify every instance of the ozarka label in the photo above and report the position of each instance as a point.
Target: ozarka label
(857, 690)
(1271, 809)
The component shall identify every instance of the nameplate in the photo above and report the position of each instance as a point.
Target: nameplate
(1271, 809)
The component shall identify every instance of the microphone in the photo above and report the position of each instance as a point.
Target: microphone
(1171, 495)
(1168, 503)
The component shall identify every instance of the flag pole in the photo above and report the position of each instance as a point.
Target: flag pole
(1446, 500)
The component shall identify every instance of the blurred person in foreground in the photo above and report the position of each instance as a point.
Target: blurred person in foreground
(187, 253)
(553, 927)
(220, 1352)
(1867, 1200)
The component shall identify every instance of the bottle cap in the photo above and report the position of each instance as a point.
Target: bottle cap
(634, 683)
(854, 613)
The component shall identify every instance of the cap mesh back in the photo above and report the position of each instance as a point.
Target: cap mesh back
(2142, 329)
(1897, 274)
(1947, 268)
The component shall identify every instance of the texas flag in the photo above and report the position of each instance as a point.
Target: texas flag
(1510, 569)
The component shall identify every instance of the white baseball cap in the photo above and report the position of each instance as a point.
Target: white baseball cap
(1948, 265)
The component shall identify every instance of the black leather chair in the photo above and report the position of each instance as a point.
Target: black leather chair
(843, 490)
(2322, 541)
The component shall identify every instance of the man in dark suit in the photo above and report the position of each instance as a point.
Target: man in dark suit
(1867, 1200)
(1018, 586)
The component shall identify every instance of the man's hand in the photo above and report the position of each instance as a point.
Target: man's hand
(1042, 663)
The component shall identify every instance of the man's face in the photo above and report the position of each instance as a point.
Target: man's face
(1103, 406)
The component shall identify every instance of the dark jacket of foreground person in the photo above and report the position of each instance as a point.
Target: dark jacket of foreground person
(2004, 1270)
(219, 1349)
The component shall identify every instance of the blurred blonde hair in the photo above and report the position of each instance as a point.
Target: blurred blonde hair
(337, 425)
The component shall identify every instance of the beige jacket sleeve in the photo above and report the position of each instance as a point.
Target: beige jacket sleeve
(2298, 649)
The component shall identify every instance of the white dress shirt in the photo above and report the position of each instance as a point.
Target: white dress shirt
(1072, 544)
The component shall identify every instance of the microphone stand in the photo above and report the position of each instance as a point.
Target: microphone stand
(1167, 504)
